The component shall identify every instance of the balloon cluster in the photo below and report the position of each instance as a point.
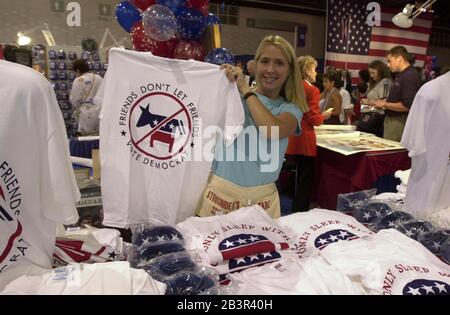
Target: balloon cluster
(169, 28)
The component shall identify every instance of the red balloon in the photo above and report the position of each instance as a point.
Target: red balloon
(189, 49)
(167, 48)
(142, 42)
(204, 9)
(143, 4)
(198, 3)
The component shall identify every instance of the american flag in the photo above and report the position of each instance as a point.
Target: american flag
(333, 236)
(242, 263)
(426, 287)
(243, 245)
(352, 44)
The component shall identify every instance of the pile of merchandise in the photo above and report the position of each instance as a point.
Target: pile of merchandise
(159, 250)
(379, 214)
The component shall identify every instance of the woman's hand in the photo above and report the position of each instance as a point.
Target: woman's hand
(235, 74)
(381, 104)
(327, 113)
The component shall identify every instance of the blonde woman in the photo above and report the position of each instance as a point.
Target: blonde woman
(277, 102)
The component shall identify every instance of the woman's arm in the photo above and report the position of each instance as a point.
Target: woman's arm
(335, 102)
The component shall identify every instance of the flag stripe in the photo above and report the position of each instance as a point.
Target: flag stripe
(348, 65)
(400, 33)
(362, 60)
(386, 46)
(414, 28)
(399, 40)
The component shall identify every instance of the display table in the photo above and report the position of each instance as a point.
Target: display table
(83, 148)
(337, 173)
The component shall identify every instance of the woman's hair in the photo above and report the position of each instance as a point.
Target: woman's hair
(291, 90)
(80, 65)
(332, 76)
(305, 63)
(364, 75)
(382, 71)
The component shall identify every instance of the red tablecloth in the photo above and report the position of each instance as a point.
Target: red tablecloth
(337, 173)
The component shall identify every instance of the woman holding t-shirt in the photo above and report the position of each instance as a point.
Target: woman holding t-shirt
(245, 172)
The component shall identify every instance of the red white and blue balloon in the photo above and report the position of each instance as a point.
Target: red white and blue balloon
(159, 22)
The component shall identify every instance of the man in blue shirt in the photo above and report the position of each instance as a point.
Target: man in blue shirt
(401, 95)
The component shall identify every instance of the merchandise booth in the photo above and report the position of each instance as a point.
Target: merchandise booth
(123, 202)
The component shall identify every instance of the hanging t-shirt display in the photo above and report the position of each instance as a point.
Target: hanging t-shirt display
(390, 263)
(319, 228)
(151, 133)
(37, 182)
(426, 138)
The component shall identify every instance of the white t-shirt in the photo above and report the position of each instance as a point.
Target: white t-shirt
(152, 116)
(86, 250)
(292, 276)
(346, 104)
(241, 239)
(37, 182)
(390, 263)
(318, 228)
(82, 94)
(113, 278)
(426, 138)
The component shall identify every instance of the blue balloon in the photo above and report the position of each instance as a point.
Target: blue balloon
(174, 5)
(220, 56)
(127, 15)
(191, 24)
(211, 19)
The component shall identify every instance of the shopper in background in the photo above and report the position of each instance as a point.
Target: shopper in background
(277, 103)
(251, 72)
(302, 149)
(358, 94)
(401, 95)
(347, 109)
(380, 82)
(372, 121)
(331, 98)
(85, 87)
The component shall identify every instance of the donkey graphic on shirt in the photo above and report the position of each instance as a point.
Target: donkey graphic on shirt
(164, 133)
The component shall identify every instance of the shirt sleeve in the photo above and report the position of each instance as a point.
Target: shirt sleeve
(413, 137)
(408, 89)
(346, 101)
(76, 93)
(234, 115)
(98, 98)
(59, 191)
(296, 112)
